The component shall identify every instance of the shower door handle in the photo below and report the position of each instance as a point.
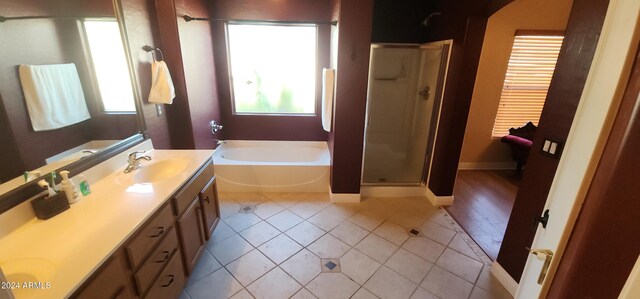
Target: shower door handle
(425, 93)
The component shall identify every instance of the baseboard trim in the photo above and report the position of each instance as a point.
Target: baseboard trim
(504, 278)
(345, 197)
(486, 165)
(438, 200)
(393, 191)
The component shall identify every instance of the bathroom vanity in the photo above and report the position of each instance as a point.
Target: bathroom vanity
(137, 235)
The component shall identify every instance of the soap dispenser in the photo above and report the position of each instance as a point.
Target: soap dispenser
(69, 187)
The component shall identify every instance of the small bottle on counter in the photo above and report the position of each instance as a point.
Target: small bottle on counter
(69, 187)
(85, 188)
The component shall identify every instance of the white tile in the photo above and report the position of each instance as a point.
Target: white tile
(259, 233)
(344, 210)
(230, 249)
(409, 220)
(479, 293)
(250, 267)
(377, 207)
(437, 232)
(363, 293)
(409, 265)
(421, 293)
(394, 233)
(244, 198)
(327, 219)
(387, 284)
(328, 246)
(267, 209)
(305, 209)
(280, 248)
(460, 265)
(446, 285)
(184, 295)
(284, 220)
(243, 294)
(376, 247)
(219, 284)
(305, 233)
(205, 266)
(425, 248)
(358, 266)
(349, 233)
(241, 221)
(275, 284)
(332, 285)
(303, 294)
(286, 200)
(458, 244)
(228, 208)
(366, 220)
(489, 283)
(442, 218)
(302, 266)
(221, 232)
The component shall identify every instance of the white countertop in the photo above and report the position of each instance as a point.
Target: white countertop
(77, 241)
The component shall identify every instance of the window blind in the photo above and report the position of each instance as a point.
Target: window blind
(531, 65)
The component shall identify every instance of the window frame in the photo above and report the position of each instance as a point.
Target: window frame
(318, 74)
(525, 33)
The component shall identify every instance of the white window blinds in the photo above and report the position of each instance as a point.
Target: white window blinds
(533, 59)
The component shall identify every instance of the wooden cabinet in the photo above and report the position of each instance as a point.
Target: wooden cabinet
(156, 261)
(210, 207)
(110, 281)
(191, 230)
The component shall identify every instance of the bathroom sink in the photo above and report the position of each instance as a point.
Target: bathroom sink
(154, 171)
(34, 270)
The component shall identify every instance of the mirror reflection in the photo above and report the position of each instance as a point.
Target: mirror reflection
(65, 88)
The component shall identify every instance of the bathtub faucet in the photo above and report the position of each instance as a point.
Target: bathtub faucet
(220, 142)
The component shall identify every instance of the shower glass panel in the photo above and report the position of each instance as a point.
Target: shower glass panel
(403, 105)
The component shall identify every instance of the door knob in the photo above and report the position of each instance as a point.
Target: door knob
(544, 255)
(425, 93)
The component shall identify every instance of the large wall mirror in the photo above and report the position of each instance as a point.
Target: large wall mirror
(66, 93)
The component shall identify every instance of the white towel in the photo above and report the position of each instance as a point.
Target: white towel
(162, 90)
(54, 95)
(328, 82)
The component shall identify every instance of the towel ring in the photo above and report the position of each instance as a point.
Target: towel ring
(154, 52)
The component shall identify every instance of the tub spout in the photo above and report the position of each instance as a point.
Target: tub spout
(220, 142)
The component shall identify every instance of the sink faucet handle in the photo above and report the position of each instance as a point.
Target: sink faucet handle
(134, 155)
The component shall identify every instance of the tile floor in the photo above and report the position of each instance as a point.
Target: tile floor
(302, 246)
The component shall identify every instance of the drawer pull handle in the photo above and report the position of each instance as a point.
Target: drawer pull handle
(171, 279)
(159, 232)
(165, 257)
(207, 199)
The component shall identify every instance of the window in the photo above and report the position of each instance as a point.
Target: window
(531, 65)
(110, 65)
(273, 68)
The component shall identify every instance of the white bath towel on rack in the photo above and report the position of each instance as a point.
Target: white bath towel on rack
(162, 90)
(54, 95)
(328, 83)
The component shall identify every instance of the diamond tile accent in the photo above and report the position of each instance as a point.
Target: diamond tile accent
(414, 232)
(247, 209)
(330, 265)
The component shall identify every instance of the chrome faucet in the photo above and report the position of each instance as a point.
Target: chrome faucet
(134, 161)
(220, 142)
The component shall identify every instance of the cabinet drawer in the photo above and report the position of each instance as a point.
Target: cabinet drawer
(149, 235)
(171, 281)
(156, 262)
(184, 197)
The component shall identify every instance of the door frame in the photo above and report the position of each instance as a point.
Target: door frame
(591, 126)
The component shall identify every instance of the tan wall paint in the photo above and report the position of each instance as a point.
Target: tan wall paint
(479, 147)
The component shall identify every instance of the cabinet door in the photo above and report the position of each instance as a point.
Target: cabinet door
(110, 281)
(210, 207)
(191, 229)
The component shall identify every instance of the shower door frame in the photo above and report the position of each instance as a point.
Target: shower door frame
(437, 108)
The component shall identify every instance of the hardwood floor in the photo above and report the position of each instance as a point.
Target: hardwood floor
(483, 203)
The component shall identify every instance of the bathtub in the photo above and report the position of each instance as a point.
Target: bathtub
(272, 166)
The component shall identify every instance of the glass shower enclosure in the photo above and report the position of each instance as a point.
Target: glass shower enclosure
(406, 84)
